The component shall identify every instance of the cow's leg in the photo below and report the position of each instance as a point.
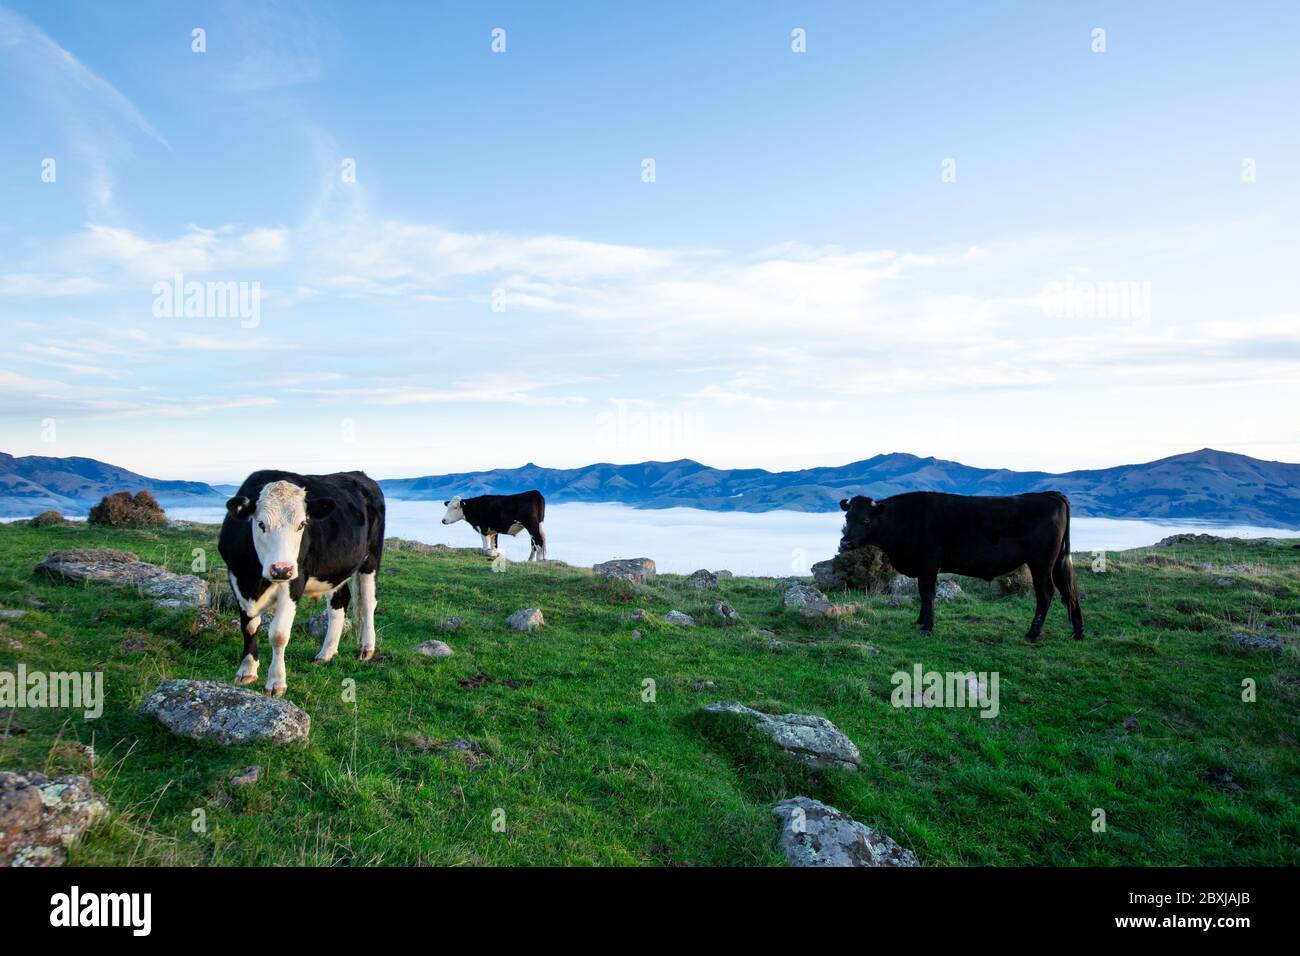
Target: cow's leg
(1063, 578)
(281, 625)
(1042, 575)
(366, 614)
(337, 609)
(247, 673)
(925, 585)
(537, 551)
(490, 545)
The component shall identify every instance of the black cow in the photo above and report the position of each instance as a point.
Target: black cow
(289, 536)
(491, 515)
(925, 532)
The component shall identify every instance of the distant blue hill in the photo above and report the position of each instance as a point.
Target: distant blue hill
(1203, 485)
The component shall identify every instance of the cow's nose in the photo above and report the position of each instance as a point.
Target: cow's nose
(281, 572)
(444, 520)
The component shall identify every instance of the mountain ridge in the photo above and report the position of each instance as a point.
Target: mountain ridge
(1205, 485)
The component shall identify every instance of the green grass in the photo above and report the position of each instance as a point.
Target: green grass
(588, 773)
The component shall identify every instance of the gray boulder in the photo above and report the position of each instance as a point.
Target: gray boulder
(703, 579)
(434, 649)
(813, 741)
(678, 617)
(725, 611)
(1257, 642)
(526, 619)
(902, 584)
(638, 570)
(210, 710)
(40, 817)
(106, 566)
(11, 614)
(807, 601)
(317, 624)
(813, 834)
(946, 591)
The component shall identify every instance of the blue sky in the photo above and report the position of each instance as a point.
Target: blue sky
(1108, 277)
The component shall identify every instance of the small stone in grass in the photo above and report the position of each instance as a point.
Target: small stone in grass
(526, 619)
(246, 777)
(677, 617)
(434, 649)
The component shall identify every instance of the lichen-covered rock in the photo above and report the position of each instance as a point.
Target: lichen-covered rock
(703, 578)
(210, 710)
(434, 649)
(946, 591)
(318, 624)
(807, 601)
(1257, 642)
(814, 834)
(12, 614)
(1019, 581)
(638, 570)
(106, 566)
(725, 611)
(811, 740)
(902, 584)
(678, 617)
(526, 619)
(862, 569)
(40, 817)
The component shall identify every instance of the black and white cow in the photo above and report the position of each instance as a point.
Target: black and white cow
(491, 515)
(288, 536)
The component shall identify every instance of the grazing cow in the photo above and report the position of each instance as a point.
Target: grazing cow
(491, 515)
(925, 532)
(289, 536)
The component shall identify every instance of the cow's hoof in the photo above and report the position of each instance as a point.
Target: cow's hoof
(275, 691)
(245, 679)
(1032, 638)
(365, 654)
(323, 658)
(924, 631)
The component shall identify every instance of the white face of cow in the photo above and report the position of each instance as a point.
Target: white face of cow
(454, 511)
(279, 518)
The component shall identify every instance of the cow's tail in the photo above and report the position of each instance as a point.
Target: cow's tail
(1063, 574)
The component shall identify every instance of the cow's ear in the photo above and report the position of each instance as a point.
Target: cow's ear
(239, 507)
(320, 507)
(844, 504)
(446, 502)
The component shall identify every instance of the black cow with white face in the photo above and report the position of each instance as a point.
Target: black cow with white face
(288, 536)
(925, 532)
(491, 515)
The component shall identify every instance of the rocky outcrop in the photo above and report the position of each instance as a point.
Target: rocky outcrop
(946, 591)
(526, 619)
(1019, 581)
(40, 817)
(813, 741)
(637, 570)
(209, 710)
(862, 569)
(703, 579)
(106, 566)
(814, 834)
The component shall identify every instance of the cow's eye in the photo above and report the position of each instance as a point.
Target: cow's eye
(262, 525)
(301, 526)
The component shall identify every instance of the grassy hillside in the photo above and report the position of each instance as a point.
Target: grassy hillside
(1144, 719)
